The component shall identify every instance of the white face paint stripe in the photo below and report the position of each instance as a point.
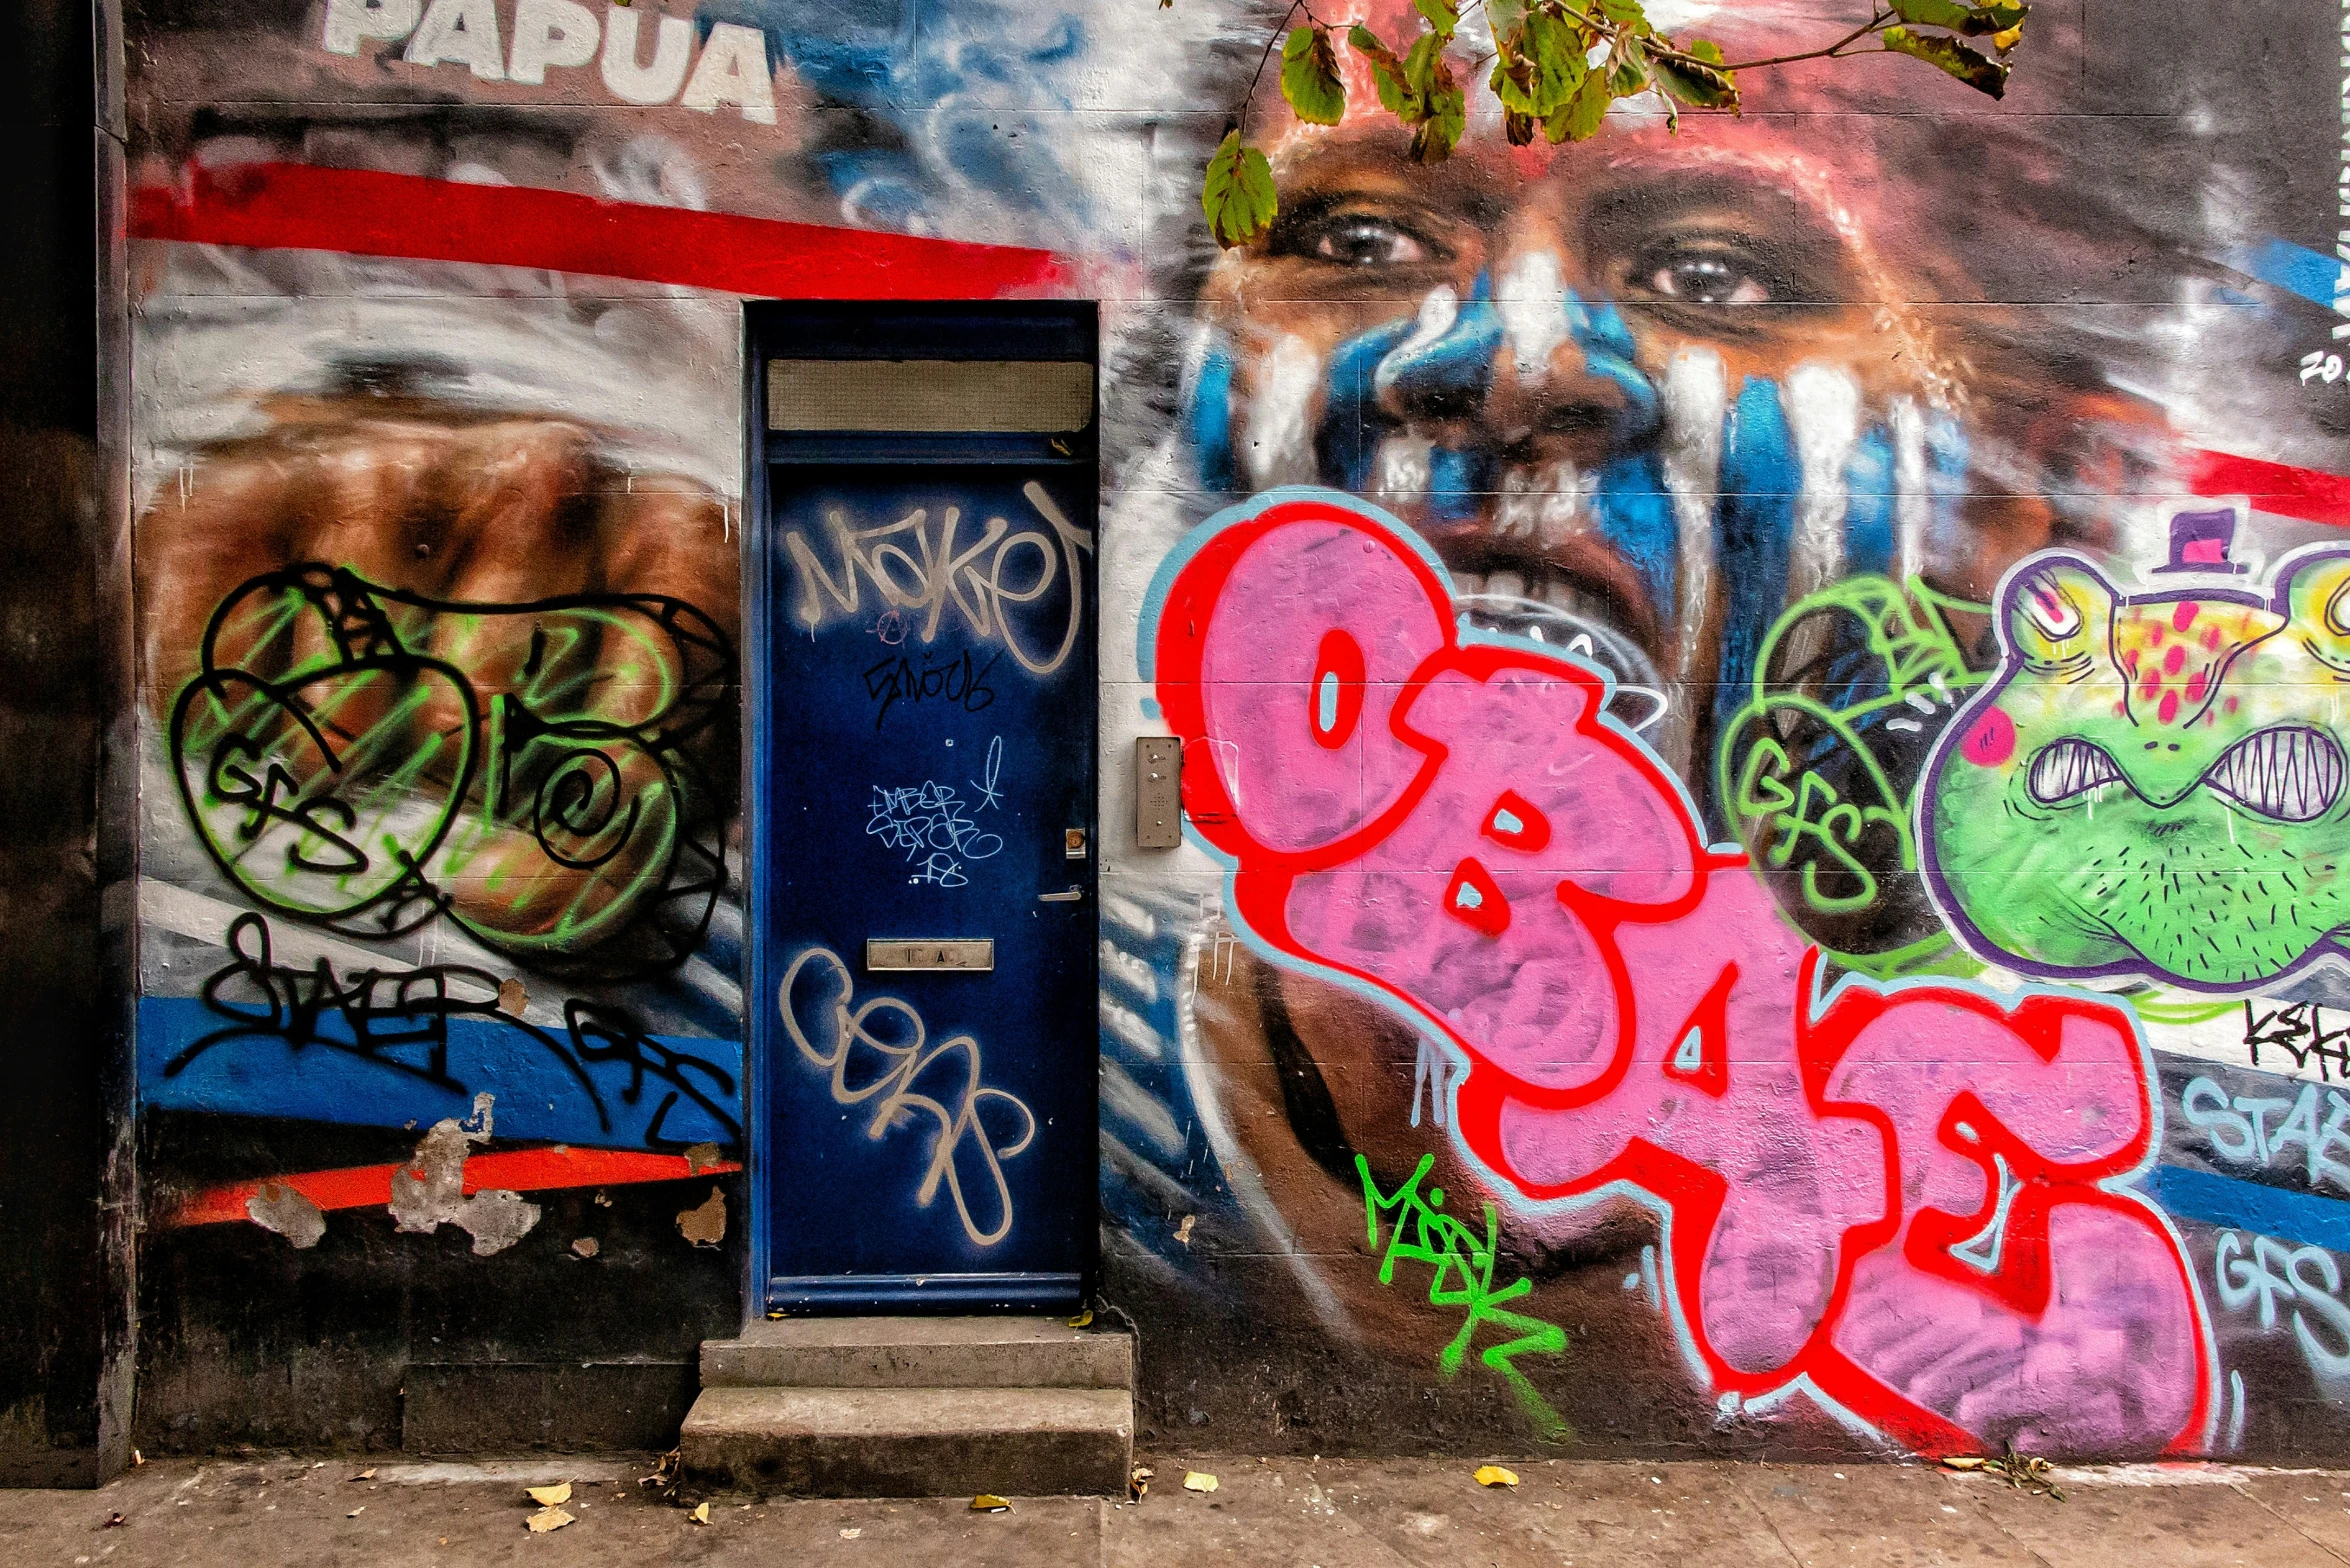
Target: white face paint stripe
(1279, 436)
(1823, 412)
(1696, 399)
(1532, 307)
(1913, 503)
(1401, 473)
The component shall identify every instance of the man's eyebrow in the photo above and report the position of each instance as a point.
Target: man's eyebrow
(1448, 206)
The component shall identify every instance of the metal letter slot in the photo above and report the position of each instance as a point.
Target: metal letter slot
(1158, 792)
(974, 955)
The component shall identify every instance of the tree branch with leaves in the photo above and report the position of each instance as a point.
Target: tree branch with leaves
(1557, 67)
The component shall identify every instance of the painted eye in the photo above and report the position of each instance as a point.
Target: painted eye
(2068, 768)
(1708, 279)
(2291, 773)
(1361, 241)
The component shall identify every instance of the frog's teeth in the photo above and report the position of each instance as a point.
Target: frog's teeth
(2292, 773)
(2068, 768)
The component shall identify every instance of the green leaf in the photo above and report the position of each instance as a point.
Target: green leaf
(1979, 71)
(1448, 113)
(1238, 194)
(1629, 75)
(1698, 85)
(1309, 77)
(1973, 20)
(1396, 93)
(1580, 119)
(1555, 49)
(1704, 49)
(1442, 15)
(1625, 13)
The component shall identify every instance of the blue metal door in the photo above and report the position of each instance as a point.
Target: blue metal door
(925, 849)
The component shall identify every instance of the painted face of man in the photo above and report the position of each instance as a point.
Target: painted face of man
(1644, 393)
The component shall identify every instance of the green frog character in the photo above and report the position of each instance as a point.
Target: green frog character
(2151, 784)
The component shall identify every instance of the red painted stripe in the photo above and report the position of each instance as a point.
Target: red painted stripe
(519, 1170)
(361, 212)
(2273, 487)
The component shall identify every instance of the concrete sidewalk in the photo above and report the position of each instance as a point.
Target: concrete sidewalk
(391, 1513)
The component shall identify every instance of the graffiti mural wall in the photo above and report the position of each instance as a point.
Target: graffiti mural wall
(1758, 708)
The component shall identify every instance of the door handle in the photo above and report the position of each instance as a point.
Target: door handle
(1072, 896)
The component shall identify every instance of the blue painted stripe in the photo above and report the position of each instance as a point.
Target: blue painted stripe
(1868, 519)
(2302, 1217)
(1636, 514)
(1210, 418)
(1346, 443)
(1761, 480)
(2311, 274)
(639, 1091)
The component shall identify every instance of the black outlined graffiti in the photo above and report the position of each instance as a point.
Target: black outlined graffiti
(399, 1019)
(367, 759)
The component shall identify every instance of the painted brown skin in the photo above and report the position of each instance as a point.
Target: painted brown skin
(415, 493)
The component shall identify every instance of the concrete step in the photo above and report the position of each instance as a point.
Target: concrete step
(910, 1442)
(910, 1352)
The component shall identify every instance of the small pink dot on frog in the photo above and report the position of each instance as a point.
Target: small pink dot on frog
(2184, 616)
(2169, 709)
(1991, 741)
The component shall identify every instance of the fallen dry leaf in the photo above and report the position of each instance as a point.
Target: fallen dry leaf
(512, 997)
(1183, 1231)
(548, 1519)
(700, 1158)
(549, 1496)
(1083, 1319)
(365, 1475)
(114, 1522)
(1198, 1481)
(356, 1512)
(587, 1246)
(850, 1535)
(1495, 1475)
(701, 1513)
(989, 1503)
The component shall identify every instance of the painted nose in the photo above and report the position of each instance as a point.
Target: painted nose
(1534, 363)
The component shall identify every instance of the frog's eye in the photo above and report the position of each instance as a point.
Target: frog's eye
(2317, 596)
(2057, 614)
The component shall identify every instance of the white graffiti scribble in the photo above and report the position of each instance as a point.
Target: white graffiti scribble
(868, 1066)
(918, 565)
(928, 822)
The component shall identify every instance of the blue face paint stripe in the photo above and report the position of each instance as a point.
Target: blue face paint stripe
(1761, 480)
(1453, 373)
(1346, 443)
(1868, 519)
(1635, 513)
(1460, 481)
(1209, 417)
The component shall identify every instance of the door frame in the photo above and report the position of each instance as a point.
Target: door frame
(888, 329)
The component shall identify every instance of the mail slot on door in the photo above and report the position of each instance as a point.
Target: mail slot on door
(974, 954)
